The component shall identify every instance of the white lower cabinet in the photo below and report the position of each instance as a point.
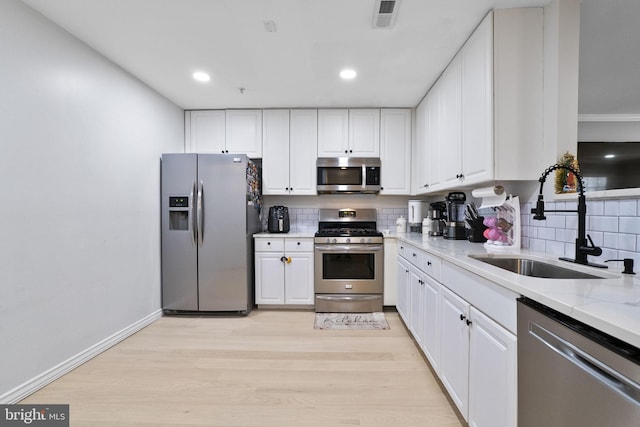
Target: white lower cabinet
(402, 305)
(452, 314)
(454, 348)
(284, 270)
(492, 373)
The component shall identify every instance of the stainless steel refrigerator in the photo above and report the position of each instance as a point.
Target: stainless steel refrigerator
(210, 210)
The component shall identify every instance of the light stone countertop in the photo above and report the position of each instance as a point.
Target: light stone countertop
(610, 304)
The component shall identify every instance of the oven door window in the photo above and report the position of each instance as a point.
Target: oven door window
(348, 266)
(340, 176)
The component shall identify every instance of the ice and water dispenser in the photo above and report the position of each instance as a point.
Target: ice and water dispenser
(179, 213)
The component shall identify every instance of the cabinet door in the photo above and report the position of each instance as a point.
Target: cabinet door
(275, 156)
(303, 152)
(419, 171)
(434, 126)
(395, 151)
(333, 136)
(477, 104)
(454, 349)
(244, 132)
(492, 373)
(416, 286)
(450, 146)
(206, 131)
(431, 322)
(269, 278)
(403, 289)
(364, 132)
(299, 278)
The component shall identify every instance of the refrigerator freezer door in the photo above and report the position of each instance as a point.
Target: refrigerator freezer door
(223, 271)
(179, 251)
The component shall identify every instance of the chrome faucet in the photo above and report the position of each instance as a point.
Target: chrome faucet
(583, 248)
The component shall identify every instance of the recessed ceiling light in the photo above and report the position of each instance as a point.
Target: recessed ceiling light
(348, 74)
(201, 76)
(609, 156)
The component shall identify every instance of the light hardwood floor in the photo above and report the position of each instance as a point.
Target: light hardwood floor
(268, 369)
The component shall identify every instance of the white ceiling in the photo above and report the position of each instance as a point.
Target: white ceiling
(162, 42)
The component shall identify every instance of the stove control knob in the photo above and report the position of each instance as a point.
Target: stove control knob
(348, 240)
(361, 240)
(328, 240)
(335, 240)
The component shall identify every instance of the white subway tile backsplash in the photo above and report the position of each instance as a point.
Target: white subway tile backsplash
(627, 242)
(555, 248)
(537, 245)
(604, 223)
(630, 225)
(556, 221)
(612, 224)
(546, 233)
(595, 207)
(628, 208)
(610, 240)
(611, 207)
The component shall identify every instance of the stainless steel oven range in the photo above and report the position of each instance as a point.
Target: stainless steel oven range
(348, 261)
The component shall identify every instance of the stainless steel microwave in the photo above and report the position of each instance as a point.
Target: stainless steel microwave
(348, 175)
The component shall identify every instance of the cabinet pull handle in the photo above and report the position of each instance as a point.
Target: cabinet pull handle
(469, 322)
(462, 317)
(428, 262)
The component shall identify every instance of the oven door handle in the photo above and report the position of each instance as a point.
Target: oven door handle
(348, 248)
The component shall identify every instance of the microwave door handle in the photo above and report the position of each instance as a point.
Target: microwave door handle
(364, 176)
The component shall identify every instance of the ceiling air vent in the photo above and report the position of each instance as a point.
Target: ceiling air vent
(385, 13)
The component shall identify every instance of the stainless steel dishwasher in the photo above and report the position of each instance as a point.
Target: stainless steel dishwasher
(570, 374)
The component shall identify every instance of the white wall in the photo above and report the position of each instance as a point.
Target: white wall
(80, 143)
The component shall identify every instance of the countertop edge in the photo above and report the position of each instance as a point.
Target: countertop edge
(611, 305)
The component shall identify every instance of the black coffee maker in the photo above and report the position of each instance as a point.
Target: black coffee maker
(278, 221)
(455, 228)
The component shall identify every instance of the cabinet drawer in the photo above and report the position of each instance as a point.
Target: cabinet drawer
(404, 250)
(270, 245)
(415, 257)
(298, 245)
(432, 265)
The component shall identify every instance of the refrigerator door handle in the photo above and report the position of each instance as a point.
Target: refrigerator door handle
(194, 226)
(200, 214)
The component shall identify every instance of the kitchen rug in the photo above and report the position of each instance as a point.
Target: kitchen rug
(350, 321)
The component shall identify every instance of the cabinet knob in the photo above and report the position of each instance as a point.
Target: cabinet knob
(346, 151)
(469, 322)
(268, 243)
(429, 263)
(426, 185)
(462, 317)
(298, 243)
(351, 151)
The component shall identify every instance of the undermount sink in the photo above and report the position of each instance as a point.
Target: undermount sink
(535, 268)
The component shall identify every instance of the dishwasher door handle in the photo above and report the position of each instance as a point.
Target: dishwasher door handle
(587, 363)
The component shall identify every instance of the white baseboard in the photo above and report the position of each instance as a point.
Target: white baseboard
(36, 383)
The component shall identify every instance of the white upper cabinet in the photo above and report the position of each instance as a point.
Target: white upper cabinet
(353, 133)
(395, 151)
(450, 146)
(243, 129)
(275, 156)
(333, 132)
(364, 132)
(289, 157)
(224, 131)
(477, 107)
(485, 113)
(303, 151)
(204, 131)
